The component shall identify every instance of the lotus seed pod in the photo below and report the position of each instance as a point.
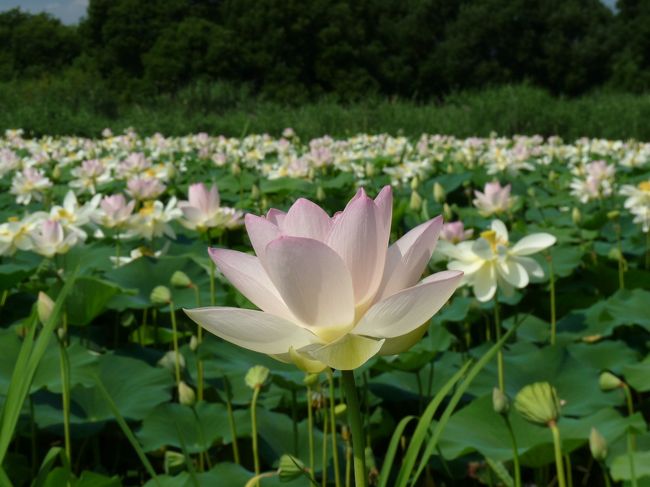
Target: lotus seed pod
(609, 381)
(290, 468)
(538, 403)
(439, 193)
(160, 295)
(576, 216)
(310, 380)
(304, 363)
(44, 307)
(500, 401)
(180, 279)
(256, 376)
(597, 445)
(416, 201)
(186, 395)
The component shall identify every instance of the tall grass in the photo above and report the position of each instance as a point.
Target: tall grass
(64, 106)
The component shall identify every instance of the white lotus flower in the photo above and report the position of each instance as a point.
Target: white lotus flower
(494, 200)
(153, 219)
(15, 234)
(72, 215)
(638, 203)
(50, 238)
(29, 184)
(203, 209)
(491, 261)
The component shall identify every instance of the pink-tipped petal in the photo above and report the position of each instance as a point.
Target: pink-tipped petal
(384, 202)
(312, 280)
(408, 257)
(361, 239)
(246, 273)
(275, 216)
(260, 232)
(255, 330)
(306, 219)
(407, 310)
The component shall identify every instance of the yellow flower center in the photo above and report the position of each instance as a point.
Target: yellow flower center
(64, 214)
(13, 219)
(645, 186)
(147, 208)
(493, 239)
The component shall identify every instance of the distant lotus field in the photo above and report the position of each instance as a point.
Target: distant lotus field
(369, 311)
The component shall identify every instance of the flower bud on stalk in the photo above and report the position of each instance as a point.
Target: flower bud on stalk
(180, 279)
(439, 193)
(538, 403)
(608, 381)
(256, 376)
(44, 307)
(576, 216)
(416, 201)
(597, 445)
(160, 295)
(500, 402)
(186, 395)
(290, 468)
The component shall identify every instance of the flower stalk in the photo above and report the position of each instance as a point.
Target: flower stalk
(335, 452)
(356, 426)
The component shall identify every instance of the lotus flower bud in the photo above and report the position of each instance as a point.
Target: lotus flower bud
(304, 363)
(235, 169)
(56, 172)
(290, 468)
(340, 410)
(168, 361)
(370, 169)
(256, 376)
(538, 403)
(194, 343)
(531, 191)
(615, 254)
(311, 380)
(500, 401)
(416, 201)
(608, 381)
(180, 279)
(576, 216)
(613, 215)
(173, 462)
(44, 307)
(415, 183)
(597, 445)
(439, 193)
(160, 295)
(255, 192)
(61, 333)
(345, 433)
(320, 193)
(446, 212)
(186, 395)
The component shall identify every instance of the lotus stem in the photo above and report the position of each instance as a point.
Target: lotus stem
(117, 250)
(356, 426)
(294, 420)
(213, 297)
(199, 339)
(256, 456)
(569, 477)
(551, 272)
(348, 460)
(497, 328)
(231, 421)
(603, 469)
(557, 445)
(647, 250)
(310, 432)
(324, 457)
(3, 298)
(515, 452)
(631, 438)
(177, 361)
(335, 452)
(621, 260)
(65, 384)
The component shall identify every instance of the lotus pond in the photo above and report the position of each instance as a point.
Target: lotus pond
(534, 368)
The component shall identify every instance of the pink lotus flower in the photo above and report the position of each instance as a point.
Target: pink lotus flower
(494, 199)
(455, 232)
(145, 188)
(331, 291)
(115, 211)
(203, 209)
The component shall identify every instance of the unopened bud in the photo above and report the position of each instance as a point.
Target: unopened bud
(160, 295)
(255, 192)
(168, 361)
(597, 445)
(552, 176)
(173, 462)
(194, 343)
(576, 216)
(180, 279)
(608, 381)
(186, 395)
(500, 401)
(415, 183)
(290, 468)
(370, 169)
(446, 212)
(416, 201)
(613, 215)
(340, 410)
(538, 403)
(60, 332)
(439, 193)
(256, 376)
(56, 172)
(235, 169)
(320, 193)
(44, 307)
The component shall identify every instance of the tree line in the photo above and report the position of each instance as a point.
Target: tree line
(296, 50)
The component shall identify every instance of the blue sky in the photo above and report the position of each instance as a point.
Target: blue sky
(70, 11)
